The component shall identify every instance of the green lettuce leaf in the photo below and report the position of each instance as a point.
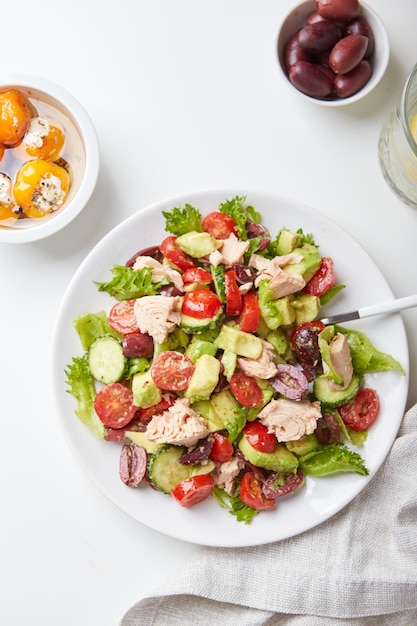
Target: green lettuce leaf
(333, 458)
(81, 385)
(128, 284)
(180, 221)
(365, 357)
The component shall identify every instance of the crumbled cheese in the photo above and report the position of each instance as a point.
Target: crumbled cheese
(38, 129)
(48, 195)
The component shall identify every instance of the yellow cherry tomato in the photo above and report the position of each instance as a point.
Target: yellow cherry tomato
(7, 203)
(41, 187)
(15, 116)
(44, 139)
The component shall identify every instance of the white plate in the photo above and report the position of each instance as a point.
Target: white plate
(207, 523)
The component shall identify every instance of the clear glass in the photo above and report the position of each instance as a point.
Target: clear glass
(398, 148)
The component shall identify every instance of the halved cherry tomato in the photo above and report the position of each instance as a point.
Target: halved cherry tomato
(145, 415)
(172, 370)
(219, 225)
(245, 389)
(173, 253)
(322, 280)
(114, 405)
(233, 297)
(197, 275)
(259, 438)
(250, 314)
(251, 494)
(362, 411)
(222, 449)
(193, 490)
(122, 317)
(200, 304)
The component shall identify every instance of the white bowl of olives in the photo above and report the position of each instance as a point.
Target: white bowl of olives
(332, 52)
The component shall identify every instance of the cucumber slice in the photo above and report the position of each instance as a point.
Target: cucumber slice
(106, 360)
(165, 470)
(332, 398)
(218, 280)
(194, 325)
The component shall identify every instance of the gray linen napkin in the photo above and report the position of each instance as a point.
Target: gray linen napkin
(359, 568)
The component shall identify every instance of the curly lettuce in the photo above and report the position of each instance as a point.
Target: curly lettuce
(241, 213)
(179, 221)
(129, 284)
(81, 385)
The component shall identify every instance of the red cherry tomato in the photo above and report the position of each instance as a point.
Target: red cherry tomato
(259, 438)
(173, 253)
(219, 225)
(193, 490)
(233, 297)
(197, 275)
(250, 314)
(172, 370)
(222, 449)
(114, 405)
(245, 389)
(145, 415)
(322, 280)
(362, 411)
(122, 317)
(200, 304)
(251, 494)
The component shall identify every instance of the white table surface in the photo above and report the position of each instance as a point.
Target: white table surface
(185, 95)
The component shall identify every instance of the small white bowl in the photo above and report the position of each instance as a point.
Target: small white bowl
(81, 151)
(296, 19)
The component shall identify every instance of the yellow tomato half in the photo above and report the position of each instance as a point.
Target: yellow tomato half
(49, 140)
(15, 117)
(41, 187)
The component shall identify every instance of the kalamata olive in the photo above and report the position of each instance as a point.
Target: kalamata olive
(347, 84)
(359, 26)
(137, 345)
(290, 382)
(170, 290)
(310, 79)
(244, 273)
(305, 345)
(348, 53)
(274, 487)
(294, 53)
(152, 251)
(319, 36)
(327, 429)
(338, 10)
(197, 454)
(132, 465)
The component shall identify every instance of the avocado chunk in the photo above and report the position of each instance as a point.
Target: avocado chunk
(206, 410)
(281, 460)
(309, 264)
(145, 392)
(303, 446)
(140, 439)
(285, 309)
(287, 241)
(197, 244)
(229, 412)
(198, 347)
(237, 341)
(204, 379)
(306, 308)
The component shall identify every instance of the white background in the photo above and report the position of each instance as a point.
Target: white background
(184, 95)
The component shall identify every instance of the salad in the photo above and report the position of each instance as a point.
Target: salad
(212, 372)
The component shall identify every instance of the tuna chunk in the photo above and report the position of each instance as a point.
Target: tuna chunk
(264, 367)
(341, 361)
(281, 283)
(230, 253)
(290, 420)
(225, 473)
(157, 315)
(159, 271)
(179, 425)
